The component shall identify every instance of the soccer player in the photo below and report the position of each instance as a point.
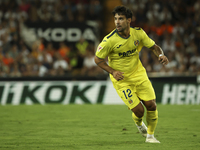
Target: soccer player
(122, 46)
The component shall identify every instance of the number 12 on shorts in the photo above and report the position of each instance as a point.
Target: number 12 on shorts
(127, 93)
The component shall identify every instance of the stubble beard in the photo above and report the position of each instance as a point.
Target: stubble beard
(120, 30)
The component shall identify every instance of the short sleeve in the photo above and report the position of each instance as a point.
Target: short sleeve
(146, 41)
(103, 49)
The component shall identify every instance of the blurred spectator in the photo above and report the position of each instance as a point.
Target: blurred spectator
(60, 65)
(88, 64)
(173, 64)
(181, 60)
(191, 49)
(45, 59)
(69, 10)
(152, 13)
(157, 66)
(24, 5)
(15, 72)
(178, 29)
(168, 44)
(45, 11)
(42, 70)
(195, 59)
(81, 48)
(50, 49)
(64, 51)
(165, 15)
(94, 10)
(193, 68)
(145, 59)
(74, 64)
(13, 52)
(4, 69)
(7, 59)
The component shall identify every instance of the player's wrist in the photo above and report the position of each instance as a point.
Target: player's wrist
(160, 55)
(111, 71)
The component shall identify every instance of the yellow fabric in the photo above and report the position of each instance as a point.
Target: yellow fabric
(123, 53)
(82, 47)
(138, 121)
(152, 120)
(128, 95)
(140, 88)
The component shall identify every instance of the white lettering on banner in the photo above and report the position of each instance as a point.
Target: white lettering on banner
(17, 91)
(44, 34)
(89, 35)
(57, 34)
(73, 34)
(181, 94)
(58, 92)
(62, 34)
(5, 90)
(191, 94)
(167, 94)
(80, 92)
(198, 95)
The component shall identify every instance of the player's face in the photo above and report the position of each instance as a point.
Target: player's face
(121, 22)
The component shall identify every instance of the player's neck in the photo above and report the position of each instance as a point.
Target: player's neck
(125, 33)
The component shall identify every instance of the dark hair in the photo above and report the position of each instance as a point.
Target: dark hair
(122, 10)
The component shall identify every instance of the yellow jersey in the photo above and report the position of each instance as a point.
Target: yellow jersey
(123, 53)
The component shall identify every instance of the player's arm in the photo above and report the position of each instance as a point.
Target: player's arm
(159, 53)
(102, 64)
(147, 42)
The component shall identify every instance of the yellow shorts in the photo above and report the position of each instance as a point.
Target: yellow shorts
(135, 88)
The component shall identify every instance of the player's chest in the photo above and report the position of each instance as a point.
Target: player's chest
(125, 47)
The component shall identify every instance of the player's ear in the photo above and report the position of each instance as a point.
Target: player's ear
(129, 20)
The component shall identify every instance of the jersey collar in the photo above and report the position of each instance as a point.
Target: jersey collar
(121, 36)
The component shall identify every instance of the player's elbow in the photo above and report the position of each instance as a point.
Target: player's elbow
(97, 60)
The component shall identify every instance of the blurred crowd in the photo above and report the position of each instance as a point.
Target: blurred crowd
(172, 24)
(18, 59)
(175, 26)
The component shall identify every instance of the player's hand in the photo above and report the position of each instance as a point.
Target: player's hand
(118, 75)
(163, 60)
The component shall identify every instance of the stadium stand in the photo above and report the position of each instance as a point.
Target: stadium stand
(174, 25)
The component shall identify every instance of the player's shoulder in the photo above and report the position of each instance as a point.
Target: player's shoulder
(110, 35)
(136, 29)
(109, 38)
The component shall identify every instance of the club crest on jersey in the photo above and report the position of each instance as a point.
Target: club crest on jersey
(99, 48)
(130, 101)
(136, 43)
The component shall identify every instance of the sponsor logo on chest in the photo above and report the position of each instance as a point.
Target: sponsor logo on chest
(120, 49)
(127, 53)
